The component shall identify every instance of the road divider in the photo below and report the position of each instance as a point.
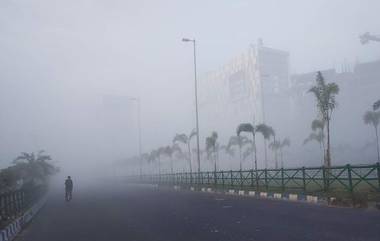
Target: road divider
(293, 197)
(277, 195)
(263, 194)
(311, 199)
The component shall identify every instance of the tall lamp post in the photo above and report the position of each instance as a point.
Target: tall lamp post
(139, 129)
(196, 100)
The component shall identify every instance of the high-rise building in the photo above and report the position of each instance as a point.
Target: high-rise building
(244, 90)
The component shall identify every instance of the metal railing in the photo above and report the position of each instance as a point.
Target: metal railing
(347, 179)
(15, 203)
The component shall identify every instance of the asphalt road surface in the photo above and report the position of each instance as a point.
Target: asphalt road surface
(130, 213)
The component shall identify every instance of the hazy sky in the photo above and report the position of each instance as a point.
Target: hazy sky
(59, 57)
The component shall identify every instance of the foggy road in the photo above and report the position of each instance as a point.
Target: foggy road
(131, 213)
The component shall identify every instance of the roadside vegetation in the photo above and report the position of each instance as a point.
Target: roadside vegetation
(27, 171)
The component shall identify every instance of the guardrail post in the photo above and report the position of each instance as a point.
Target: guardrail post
(241, 178)
(223, 179)
(304, 179)
(282, 180)
(251, 172)
(324, 178)
(232, 180)
(215, 179)
(350, 178)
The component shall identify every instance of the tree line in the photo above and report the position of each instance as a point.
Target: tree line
(244, 146)
(27, 170)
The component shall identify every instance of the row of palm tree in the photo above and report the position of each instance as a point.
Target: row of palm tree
(244, 146)
(325, 96)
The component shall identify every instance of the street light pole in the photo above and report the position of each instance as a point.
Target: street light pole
(196, 100)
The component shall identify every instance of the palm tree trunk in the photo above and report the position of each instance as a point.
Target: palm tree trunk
(171, 164)
(323, 152)
(323, 146)
(214, 162)
(328, 157)
(240, 157)
(377, 141)
(265, 153)
(282, 158)
(217, 159)
(254, 150)
(188, 147)
(275, 153)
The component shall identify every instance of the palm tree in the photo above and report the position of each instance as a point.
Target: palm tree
(275, 146)
(211, 147)
(154, 156)
(184, 139)
(248, 152)
(160, 151)
(317, 135)
(326, 103)
(373, 118)
(228, 150)
(278, 145)
(376, 105)
(248, 127)
(267, 132)
(240, 142)
(169, 151)
(285, 143)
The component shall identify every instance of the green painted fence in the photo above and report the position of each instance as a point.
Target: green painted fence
(348, 179)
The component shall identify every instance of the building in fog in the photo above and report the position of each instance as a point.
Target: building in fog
(245, 90)
(256, 87)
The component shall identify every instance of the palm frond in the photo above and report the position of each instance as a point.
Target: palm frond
(181, 138)
(192, 134)
(265, 130)
(317, 124)
(376, 105)
(314, 137)
(372, 117)
(245, 127)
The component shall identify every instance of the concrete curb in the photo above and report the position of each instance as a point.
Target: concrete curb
(266, 195)
(10, 232)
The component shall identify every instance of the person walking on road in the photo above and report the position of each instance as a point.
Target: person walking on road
(69, 188)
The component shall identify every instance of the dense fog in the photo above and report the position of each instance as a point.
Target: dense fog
(73, 73)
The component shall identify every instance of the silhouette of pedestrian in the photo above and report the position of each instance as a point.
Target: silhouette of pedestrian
(69, 188)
